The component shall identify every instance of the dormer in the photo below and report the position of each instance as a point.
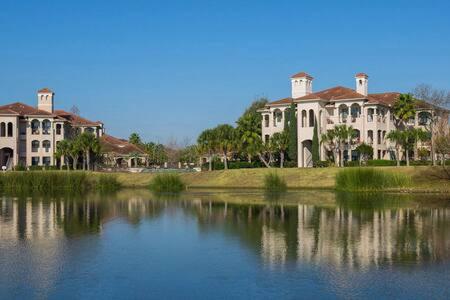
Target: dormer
(45, 100)
(362, 84)
(301, 85)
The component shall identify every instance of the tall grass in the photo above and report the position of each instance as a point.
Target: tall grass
(370, 179)
(274, 182)
(55, 181)
(167, 183)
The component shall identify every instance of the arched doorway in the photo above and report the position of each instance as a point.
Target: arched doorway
(6, 157)
(307, 153)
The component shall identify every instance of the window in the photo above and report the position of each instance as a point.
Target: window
(343, 113)
(424, 118)
(35, 161)
(35, 127)
(34, 146)
(58, 129)
(266, 138)
(46, 145)
(303, 118)
(46, 126)
(10, 129)
(277, 117)
(355, 111)
(311, 118)
(46, 160)
(370, 113)
(379, 137)
(3, 129)
(369, 136)
(356, 136)
(266, 120)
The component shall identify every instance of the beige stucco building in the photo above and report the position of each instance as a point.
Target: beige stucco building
(369, 114)
(29, 135)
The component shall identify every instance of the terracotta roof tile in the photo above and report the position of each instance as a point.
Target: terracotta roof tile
(281, 101)
(45, 91)
(383, 98)
(24, 109)
(302, 75)
(335, 93)
(362, 75)
(76, 120)
(110, 144)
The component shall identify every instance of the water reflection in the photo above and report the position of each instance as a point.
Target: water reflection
(301, 228)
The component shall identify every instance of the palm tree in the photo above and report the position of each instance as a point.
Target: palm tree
(207, 143)
(418, 135)
(398, 137)
(74, 151)
(343, 135)
(404, 108)
(329, 138)
(88, 143)
(280, 142)
(226, 141)
(62, 149)
(135, 139)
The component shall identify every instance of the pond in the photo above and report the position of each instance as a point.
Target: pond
(222, 244)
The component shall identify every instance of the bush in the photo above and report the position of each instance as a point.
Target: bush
(274, 182)
(369, 179)
(218, 165)
(167, 182)
(381, 163)
(352, 163)
(20, 168)
(106, 183)
(290, 164)
(322, 164)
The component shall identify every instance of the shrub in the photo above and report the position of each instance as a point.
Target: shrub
(369, 179)
(381, 163)
(274, 182)
(107, 183)
(322, 164)
(167, 182)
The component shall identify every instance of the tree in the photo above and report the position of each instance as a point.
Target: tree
(207, 144)
(292, 131)
(225, 141)
(189, 154)
(438, 99)
(62, 149)
(74, 151)
(315, 146)
(397, 137)
(442, 141)
(88, 144)
(404, 108)
(75, 110)
(249, 127)
(365, 151)
(418, 135)
(135, 139)
(280, 142)
(343, 135)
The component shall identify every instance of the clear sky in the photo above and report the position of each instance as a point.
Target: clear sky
(168, 69)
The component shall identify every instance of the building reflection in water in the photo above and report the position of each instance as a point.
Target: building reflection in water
(345, 234)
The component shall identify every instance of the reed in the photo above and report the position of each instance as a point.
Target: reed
(167, 183)
(274, 182)
(370, 179)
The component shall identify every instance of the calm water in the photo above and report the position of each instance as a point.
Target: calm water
(225, 245)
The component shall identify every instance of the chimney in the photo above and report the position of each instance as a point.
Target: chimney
(45, 100)
(362, 84)
(301, 85)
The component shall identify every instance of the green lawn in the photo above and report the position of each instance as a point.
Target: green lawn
(424, 179)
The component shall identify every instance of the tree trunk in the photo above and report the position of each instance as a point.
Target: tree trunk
(281, 159)
(210, 162)
(225, 163)
(407, 157)
(88, 158)
(433, 160)
(67, 163)
(75, 162)
(397, 156)
(261, 157)
(341, 158)
(83, 156)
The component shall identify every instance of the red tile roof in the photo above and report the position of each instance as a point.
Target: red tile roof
(335, 93)
(45, 91)
(383, 98)
(302, 75)
(75, 119)
(281, 101)
(23, 109)
(110, 144)
(362, 75)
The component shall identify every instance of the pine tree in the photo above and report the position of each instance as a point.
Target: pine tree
(292, 149)
(315, 146)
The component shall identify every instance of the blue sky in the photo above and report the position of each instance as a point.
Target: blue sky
(168, 69)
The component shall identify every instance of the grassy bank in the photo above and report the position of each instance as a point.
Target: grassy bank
(423, 178)
(56, 181)
(370, 179)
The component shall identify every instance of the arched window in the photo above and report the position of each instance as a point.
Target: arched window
(266, 138)
(35, 127)
(343, 113)
(34, 146)
(277, 117)
(303, 118)
(311, 118)
(355, 111)
(379, 137)
(46, 145)
(370, 113)
(46, 126)
(89, 130)
(58, 128)
(266, 120)
(10, 129)
(3, 129)
(370, 137)
(319, 121)
(424, 118)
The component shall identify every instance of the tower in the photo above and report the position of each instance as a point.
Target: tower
(362, 84)
(301, 85)
(45, 100)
